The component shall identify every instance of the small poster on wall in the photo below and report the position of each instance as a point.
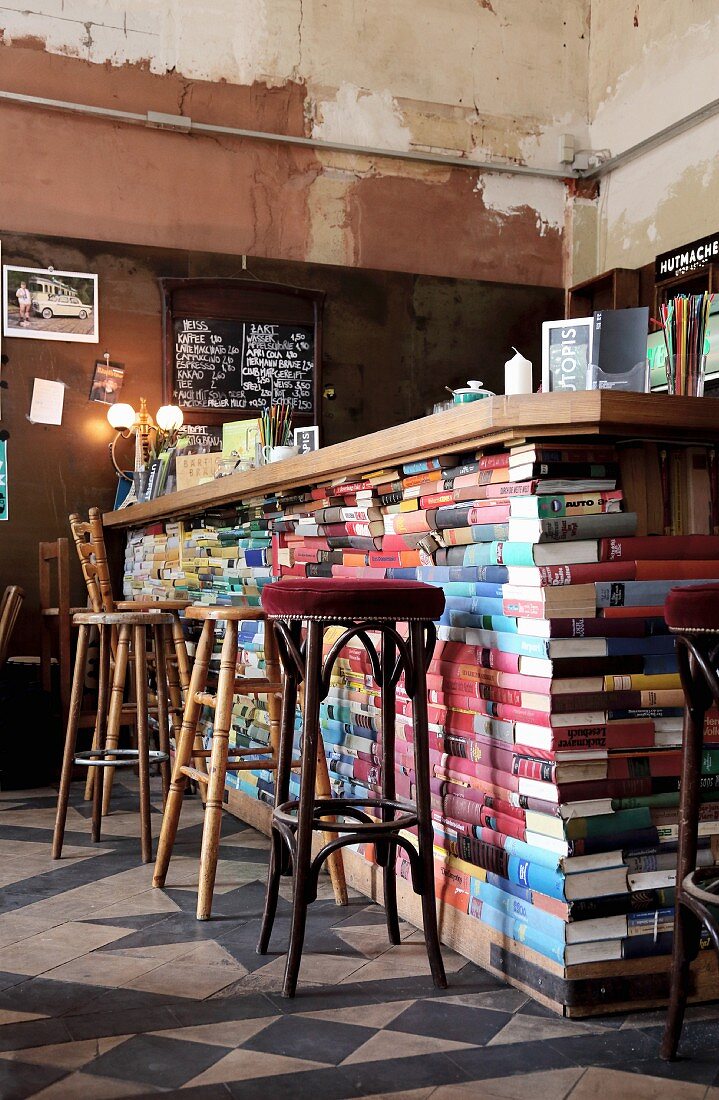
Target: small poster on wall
(44, 304)
(107, 381)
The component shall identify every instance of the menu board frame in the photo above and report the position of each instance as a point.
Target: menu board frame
(239, 300)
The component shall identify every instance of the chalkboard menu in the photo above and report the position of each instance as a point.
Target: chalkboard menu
(243, 365)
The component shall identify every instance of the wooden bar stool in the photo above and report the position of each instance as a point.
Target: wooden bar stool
(90, 545)
(360, 606)
(221, 758)
(136, 632)
(56, 618)
(692, 614)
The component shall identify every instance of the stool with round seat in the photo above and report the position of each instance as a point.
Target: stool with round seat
(133, 634)
(360, 607)
(221, 757)
(692, 615)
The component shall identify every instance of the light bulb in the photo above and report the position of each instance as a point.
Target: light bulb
(169, 418)
(121, 417)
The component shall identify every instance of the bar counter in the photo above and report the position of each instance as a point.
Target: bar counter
(576, 990)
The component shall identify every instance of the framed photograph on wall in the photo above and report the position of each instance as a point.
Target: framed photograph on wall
(567, 355)
(44, 304)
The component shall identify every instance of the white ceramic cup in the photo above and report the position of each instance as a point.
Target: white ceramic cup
(276, 454)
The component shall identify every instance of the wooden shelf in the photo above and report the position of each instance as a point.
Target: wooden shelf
(481, 424)
(615, 289)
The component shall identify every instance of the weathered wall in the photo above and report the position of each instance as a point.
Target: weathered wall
(391, 342)
(477, 78)
(650, 64)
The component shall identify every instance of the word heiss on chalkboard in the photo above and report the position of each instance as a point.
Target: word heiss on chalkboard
(243, 365)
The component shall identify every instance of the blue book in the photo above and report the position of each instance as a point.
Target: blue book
(490, 532)
(623, 647)
(519, 931)
(398, 574)
(520, 909)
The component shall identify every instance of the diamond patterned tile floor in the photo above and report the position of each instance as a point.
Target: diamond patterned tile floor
(109, 988)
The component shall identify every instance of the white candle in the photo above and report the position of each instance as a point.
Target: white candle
(517, 374)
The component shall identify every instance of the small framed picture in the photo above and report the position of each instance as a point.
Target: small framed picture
(107, 381)
(567, 354)
(44, 304)
(307, 439)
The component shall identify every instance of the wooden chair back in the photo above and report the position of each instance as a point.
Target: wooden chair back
(10, 605)
(90, 545)
(53, 557)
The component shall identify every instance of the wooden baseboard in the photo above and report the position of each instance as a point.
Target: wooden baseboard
(575, 991)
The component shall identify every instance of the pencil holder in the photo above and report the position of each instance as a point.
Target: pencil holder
(276, 454)
(685, 377)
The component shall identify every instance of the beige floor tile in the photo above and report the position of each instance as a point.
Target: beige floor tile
(371, 940)
(599, 1084)
(50, 949)
(243, 1065)
(413, 1094)
(160, 952)
(68, 1056)
(549, 1085)
(90, 1087)
(389, 1044)
(229, 1034)
(370, 1015)
(7, 1016)
(498, 1000)
(21, 925)
(315, 969)
(145, 903)
(210, 953)
(530, 1029)
(407, 960)
(102, 968)
(193, 982)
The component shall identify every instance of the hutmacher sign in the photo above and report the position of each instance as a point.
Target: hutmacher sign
(689, 257)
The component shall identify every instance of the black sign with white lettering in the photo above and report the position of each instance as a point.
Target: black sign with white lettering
(689, 257)
(243, 365)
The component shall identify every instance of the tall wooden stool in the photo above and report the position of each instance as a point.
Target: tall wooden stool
(361, 607)
(222, 758)
(136, 632)
(90, 545)
(692, 614)
(56, 618)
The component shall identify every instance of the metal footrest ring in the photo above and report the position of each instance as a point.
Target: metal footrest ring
(115, 758)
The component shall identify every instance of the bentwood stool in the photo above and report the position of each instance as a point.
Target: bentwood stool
(360, 607)
(221, 758)
(90, 545)
(692, 614)
(136, 633)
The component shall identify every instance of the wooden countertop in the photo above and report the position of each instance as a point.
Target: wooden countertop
(497, 420)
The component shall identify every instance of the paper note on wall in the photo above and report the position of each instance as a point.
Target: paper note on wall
(3, 480)
(47, 401)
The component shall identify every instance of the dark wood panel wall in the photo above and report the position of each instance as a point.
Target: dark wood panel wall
(392, 341)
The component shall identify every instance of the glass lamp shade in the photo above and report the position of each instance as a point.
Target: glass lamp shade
(169, 418)
(121, 417)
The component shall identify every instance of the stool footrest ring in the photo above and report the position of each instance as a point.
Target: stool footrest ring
(115, 758)
(286, 813)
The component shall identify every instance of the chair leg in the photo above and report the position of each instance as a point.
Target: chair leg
(103, 696)
(183, 754)
(303, 835)
(389, 872)
(163, 716)
(115, 713)
(424, 826)
(217, 771)
(143, 741)
(283, 757)
(685, 922)
(70, 740)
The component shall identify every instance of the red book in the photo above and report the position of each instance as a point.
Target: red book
(494, 462)
(402, 559)
(551, 575)
(410, 541)
(404, 523)
(632, 612)
(649, 765)
(660, 548)
(498, 513)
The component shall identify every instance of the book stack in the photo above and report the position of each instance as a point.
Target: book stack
(152, 562)
(554, 700)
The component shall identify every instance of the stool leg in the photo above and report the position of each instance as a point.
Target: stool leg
(143, 741)
(389, 873)
(70, 739)
(335, 863)
(163, 717)
(217, 771)
(283, 757)
(103, 695)
(424, 824)
(174, 689)
(183, 661)
(303, 835)
(183, 754)
(686, 924)
(115, 714)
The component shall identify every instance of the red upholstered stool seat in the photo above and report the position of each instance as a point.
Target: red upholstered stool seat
(347, 598)
(693, 608)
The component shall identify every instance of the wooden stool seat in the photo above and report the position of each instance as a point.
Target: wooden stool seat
(151, 605)
(221, 757)
(118, 618)
(363, 608)
(692, 615)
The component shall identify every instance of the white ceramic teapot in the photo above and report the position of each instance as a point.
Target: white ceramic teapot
(473, 391)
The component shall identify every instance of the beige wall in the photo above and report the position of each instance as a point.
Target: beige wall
(482, 79)
(651, 63)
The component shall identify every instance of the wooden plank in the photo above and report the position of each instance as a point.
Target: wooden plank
(479, 424)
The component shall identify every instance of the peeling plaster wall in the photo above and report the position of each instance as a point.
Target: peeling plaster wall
(651, 63)
(477, 78)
